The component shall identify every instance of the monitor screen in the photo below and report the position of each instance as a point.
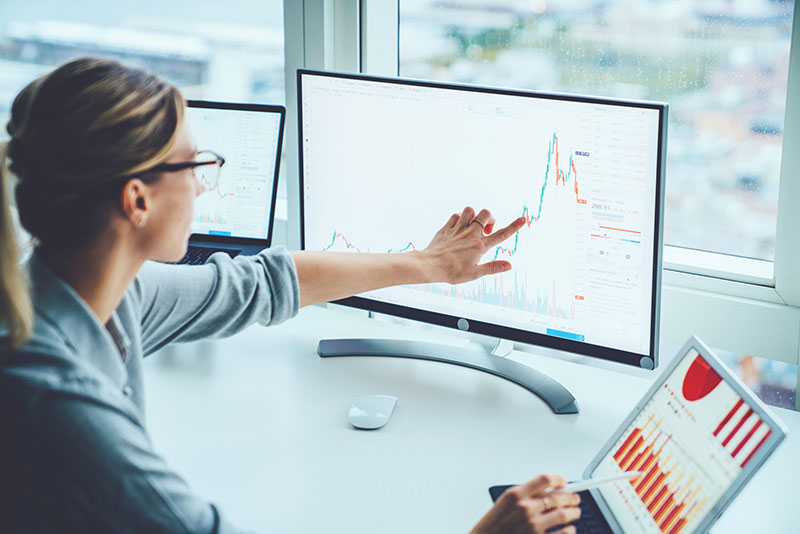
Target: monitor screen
(385, 162)
(241, 204)
(692, 440)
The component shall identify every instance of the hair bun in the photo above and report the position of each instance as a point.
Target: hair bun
(17, 157)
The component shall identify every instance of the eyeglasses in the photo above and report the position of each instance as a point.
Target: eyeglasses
(210, 163)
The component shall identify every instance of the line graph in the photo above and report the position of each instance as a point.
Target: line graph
(516, 295)
(552, 294)
(547, 289)
(560, 176)
(350, 246)
(215, 190)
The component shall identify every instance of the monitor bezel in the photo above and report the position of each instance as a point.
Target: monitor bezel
(264, 108)
(759, 408)
(646, 361)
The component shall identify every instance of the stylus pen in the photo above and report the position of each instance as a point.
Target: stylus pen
(590, 483)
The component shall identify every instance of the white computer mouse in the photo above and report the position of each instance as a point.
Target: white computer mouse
(369, 412)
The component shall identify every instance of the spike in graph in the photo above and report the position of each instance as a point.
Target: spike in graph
(542, 302)
(215, 189)
(561, 177)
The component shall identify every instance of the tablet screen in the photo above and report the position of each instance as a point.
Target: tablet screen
(692, 440)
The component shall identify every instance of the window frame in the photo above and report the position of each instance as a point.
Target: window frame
(737, 304)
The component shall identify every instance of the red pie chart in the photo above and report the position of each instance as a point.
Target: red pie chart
(700, 380)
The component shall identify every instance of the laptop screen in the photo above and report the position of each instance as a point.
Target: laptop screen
(241, 203)
(692, 440)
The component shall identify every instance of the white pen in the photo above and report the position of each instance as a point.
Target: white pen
(589, 483)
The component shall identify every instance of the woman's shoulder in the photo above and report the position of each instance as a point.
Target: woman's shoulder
(36, 375)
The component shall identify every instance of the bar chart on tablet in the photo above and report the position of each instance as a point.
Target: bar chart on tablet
(691, 440)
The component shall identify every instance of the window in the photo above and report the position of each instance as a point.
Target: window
(735, 303)
(232, 54)
(722, 66)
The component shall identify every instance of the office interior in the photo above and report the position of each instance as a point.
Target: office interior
(258, 423)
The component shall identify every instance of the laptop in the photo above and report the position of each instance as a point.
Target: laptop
(236, 216)
(699, 434)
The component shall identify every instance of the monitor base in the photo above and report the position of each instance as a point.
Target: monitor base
(550, 391)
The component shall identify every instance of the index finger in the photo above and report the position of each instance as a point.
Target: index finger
(541, 483)
(504, 233)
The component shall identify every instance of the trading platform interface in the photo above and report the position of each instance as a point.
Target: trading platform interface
(239, 205)
(692, 440)
(385, 165)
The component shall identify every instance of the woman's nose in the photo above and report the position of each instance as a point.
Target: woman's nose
(198, 187)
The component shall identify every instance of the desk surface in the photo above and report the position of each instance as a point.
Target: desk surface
(258, 425)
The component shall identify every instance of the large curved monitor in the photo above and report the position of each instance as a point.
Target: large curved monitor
(385, 161)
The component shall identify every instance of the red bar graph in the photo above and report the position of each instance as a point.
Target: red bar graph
(739, 430)
(689, 442)
(747, 437)
(728, 417)
(670, 502)
(737, 427)
(760, 443)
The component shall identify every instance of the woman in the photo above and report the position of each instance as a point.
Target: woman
(106, 182)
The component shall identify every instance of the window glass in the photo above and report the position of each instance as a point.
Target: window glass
(231, 52)
(774, 382)
(721, 64)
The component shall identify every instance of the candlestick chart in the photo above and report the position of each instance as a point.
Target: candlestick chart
(553, 222)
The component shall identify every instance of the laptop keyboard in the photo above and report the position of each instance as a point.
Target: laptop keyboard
(199, 255)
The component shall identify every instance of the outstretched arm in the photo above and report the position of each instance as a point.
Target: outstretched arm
(452, 256)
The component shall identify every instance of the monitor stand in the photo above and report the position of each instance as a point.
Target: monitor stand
(551, 392)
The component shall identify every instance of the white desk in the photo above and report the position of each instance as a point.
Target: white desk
(258, 424)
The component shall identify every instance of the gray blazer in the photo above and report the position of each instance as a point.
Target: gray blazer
(75, 455)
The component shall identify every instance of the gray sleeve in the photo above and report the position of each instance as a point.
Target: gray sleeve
(220, 298)
(105, 473)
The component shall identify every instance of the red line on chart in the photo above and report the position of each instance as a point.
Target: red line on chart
(620, 230)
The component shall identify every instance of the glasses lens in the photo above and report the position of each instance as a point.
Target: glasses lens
(208, 172)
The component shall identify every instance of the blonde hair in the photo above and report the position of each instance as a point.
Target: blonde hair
(78, 134)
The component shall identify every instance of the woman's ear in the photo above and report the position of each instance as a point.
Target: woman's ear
(135, 202)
